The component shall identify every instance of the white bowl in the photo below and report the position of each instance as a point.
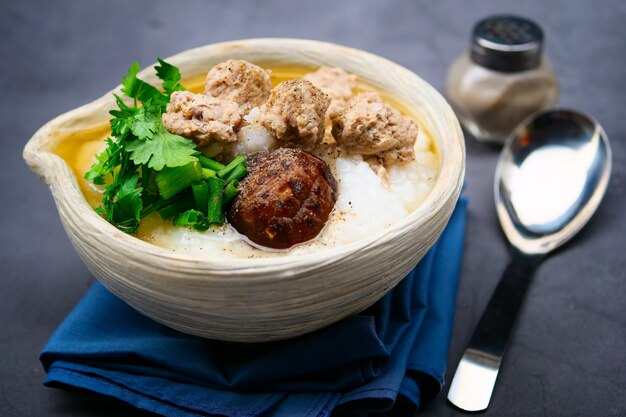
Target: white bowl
(255, 300)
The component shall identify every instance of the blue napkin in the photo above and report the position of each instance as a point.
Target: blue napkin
(390, 357)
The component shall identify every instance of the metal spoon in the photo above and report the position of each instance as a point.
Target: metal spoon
(550, 179)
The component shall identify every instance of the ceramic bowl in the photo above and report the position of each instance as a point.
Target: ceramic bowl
(258, 300)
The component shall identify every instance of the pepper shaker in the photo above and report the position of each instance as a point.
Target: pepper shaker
(502, 79)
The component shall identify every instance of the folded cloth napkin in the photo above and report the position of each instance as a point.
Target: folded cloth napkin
(390, 357)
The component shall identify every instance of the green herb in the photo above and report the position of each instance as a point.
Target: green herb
(210, 164)
(122, 118)
(145, 123)
(163, 149)
(236, 174)
(140, 90)
(146, 168)
(150, 194)
(128, 205)
(170, 76)
(201, 195)
(215, 210)
(240, 159)
(176, 206)
(107, 161)
(174, 180)
(207, 173)
(192, 218)
(230, 191)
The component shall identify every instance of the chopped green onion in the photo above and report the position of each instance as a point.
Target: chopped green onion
(231, 190)
(210, 164)
(206, 173)
(214, 210)
(240, 159)
(236, 174)
(201, 195)
(173, 180)
(177, 206)
(192, 218)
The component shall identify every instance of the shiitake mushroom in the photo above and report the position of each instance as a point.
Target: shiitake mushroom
(285, 199)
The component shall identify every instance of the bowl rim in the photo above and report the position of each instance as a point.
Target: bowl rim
(447, 186)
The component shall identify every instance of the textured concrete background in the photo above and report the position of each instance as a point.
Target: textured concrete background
(567, 356)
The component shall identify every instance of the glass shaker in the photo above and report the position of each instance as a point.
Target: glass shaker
(502, 79)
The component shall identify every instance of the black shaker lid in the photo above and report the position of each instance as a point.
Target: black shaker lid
(507, 43)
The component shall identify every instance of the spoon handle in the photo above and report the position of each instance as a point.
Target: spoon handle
(475, 377)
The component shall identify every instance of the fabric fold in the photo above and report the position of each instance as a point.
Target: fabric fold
(390, 357)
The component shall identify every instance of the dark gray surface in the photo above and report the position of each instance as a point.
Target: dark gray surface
(568, 354)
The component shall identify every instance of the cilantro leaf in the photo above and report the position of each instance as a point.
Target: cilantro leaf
(192, 218)
(140, 147)
(150, 192)
(161, 150)
(122, 170)
(170, 75)
(128, 204)
(98, 169)
(106, 162)
(122, 118)
(141, 90)
(145, 123)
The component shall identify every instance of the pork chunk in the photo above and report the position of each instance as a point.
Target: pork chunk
(207, 120)
(240, 81)
(294, 113)
(369, 127)
(337, 83)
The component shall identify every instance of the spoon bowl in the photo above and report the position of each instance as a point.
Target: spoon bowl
(550, 179)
